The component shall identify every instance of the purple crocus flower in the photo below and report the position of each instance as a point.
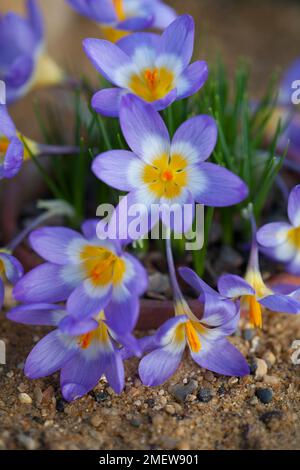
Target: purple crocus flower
(81, 359)
(205, 337)
(10, 269)
(120, 17)
(281, 240)
(90, 273)
(23, 64)
(155, 68)
(162, 172)
(253, 293)
(11, 148)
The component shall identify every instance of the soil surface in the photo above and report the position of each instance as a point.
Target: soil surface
(195, 409)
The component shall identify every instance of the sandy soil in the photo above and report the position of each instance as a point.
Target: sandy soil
(173, 416)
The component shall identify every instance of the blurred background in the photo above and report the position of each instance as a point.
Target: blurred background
(265, 32)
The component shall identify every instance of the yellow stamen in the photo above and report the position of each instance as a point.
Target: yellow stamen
(100, 334)
(255, 311)
(192, 336)
(119, 9)
(152, 84)
(102, 266)
(294, 237)
(4, 143)
(166, 177)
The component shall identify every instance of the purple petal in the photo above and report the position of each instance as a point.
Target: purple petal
(221, 314)
(139, 282)
(131, 43)
(232, 286)
(178, 39)
(12, 267)
(193, 280)
(89, 228)
(113, 168)
(122, 315)
(35, 19)
(49, 355)
(216, 186)
(293, 266)
(86, 301)
(164, 102)
(7, 127)
(37, 314)
(52, 243)
(280, 303)
(107, 101)
(43, 284)
(164, 15)
(107, 58)
(192, 79)
(114, 372)
(143, 128)
(13, 159)
(223, 358)
(101, 11)
(195, 139)
(274, 234)
(136, 23)
(294, 206)
(81, 374)
(73, 327)
(159, 365)
(179, 216)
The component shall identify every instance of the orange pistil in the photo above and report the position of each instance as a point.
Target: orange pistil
(151, 78)
(192, 337)
(85, 340)
(167, 175)
(119, 9)
(255, 311)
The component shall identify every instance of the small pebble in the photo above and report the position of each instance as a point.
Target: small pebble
(271, 380)
(27, 442)
(209, 376)
(266, 418)
(25, 398)
(96, 421)
(253, 401)
(101, 396)
(60, 405)
(265, 395)
(181, 391)
(221, 390)
(269, 358)
(204, 395)
(170, 409)
(262, 369)
(252, 365)
(233, 381)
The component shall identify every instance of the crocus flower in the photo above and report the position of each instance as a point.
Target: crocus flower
(281, 240)
(91, 274)
(15, 147)
(23, 64)
(255, 296)
(11, 148)
(155, 68)
(81, 359)
(10, 269)
(205, 337)
(118, 18)
(162, 172)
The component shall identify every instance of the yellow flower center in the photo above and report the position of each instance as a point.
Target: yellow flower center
(294, 237)
(190, 331)
(119, 9)
(4, 144)
(255, 311)
(152, 84)
(166, 176)
(102, 266)
(100, 334)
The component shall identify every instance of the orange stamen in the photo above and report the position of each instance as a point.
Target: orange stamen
(151, 78)
(167, 175)
(255, 312)
(192, 337)
(119, 9)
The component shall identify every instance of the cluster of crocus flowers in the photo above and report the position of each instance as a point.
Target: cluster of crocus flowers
(159, 171)
(281, 240)
(205, 337)
(118, 18)
(155, 68)
(24, 64)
